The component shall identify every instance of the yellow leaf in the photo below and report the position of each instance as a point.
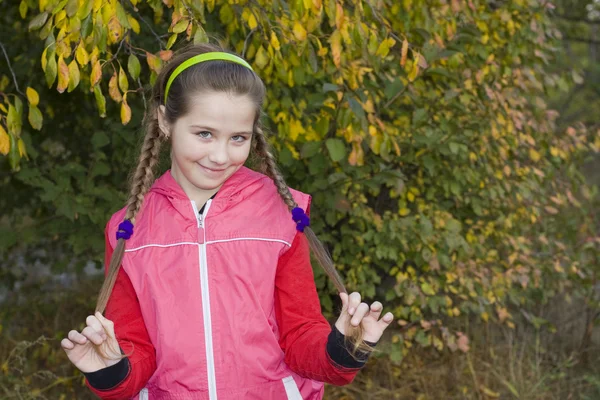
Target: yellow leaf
(153, 62)
(295, 129)
(336, 47)
(21, 147)
(252, 23)
(44, 59)
(63, 75)
(114, 30)
(123, 82)
(125, 113)
(96, 73)
(4, 141)
(73, 75)
(339, 15)
(404, 212)
(414, 71)
(81, 54)
(261, 59)
(113, 89)
(275, 41)
(404, 52)
(135, 26)
(384, 48)
(181, 26)
(534, 155)
(32, 96)
(299, 31)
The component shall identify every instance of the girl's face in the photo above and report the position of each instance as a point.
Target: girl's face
(211, 142)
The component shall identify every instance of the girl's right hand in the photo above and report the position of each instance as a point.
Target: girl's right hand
(89, 350)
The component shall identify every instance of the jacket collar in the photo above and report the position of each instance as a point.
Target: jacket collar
(232, 190)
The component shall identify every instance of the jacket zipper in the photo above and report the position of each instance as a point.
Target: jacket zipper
(208, 339)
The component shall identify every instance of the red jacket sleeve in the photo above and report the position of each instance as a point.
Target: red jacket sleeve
(303, 330)
(123, 309)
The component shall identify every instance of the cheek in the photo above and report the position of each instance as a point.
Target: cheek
(239, 154)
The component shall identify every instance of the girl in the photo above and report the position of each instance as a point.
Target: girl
(214, 296)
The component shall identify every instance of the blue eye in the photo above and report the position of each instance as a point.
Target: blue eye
(204, 134)
(238, 138)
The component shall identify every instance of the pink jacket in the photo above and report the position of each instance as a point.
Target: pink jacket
(205, 287)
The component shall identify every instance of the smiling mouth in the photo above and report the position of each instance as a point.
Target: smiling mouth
(212, 169)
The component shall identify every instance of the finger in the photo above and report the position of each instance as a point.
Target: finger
(361, 311)
(386, 320)
(66, 344)
(353, 302)
(92, 335)
(344, 297)
(76, 337)
(376, 309)
(107, 325)
(95, 324)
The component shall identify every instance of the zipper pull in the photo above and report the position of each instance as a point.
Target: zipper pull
(200, 220)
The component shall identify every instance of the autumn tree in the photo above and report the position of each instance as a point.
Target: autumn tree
(438, 173)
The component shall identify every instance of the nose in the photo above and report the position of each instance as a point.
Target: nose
(219, 154)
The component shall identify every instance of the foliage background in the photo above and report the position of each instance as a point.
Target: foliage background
(448, 145)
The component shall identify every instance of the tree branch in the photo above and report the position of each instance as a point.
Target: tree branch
(160, 41)
(11, 70)
(578, 19)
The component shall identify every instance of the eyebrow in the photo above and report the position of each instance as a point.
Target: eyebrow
(208, 128)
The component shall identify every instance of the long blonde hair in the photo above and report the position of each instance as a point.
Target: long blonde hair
(217, 76)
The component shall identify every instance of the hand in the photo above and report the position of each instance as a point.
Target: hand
(83, 348)
(364, 315)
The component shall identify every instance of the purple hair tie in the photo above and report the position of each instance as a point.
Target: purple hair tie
(302, 220)
(125, 230)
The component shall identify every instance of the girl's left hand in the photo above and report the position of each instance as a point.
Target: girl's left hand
(361, 313)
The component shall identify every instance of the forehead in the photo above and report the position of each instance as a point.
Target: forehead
(220, 110)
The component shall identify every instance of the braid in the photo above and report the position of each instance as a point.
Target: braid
(269, 165)
(140, 184)
(144, 172)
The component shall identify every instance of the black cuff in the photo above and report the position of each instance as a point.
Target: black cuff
(109, 377)
(339, 354)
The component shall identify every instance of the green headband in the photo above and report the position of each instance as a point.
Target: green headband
(201, 58)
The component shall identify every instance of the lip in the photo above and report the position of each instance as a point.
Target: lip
(215, 171)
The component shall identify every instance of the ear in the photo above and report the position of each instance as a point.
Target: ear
(163, 125)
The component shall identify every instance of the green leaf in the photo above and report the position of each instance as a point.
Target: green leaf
(100, 101)
(51, 69)
(200, 35)
(23, 9)
(13, 121)
(100, 139)
(356, 108)
(35, 118)
(123, 82)
(38, 21)
(309, 149)
(171, 41)
(122, 15)
(133, 66)
(71, 8)
(330, 87)
(337, 149)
